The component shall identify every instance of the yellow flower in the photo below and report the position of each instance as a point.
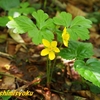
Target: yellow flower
(50, 49)
(65, 36)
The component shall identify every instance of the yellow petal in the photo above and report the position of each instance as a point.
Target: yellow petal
(45, 42)
(67, 36)
(54, 43)
(64, 31)
(56, 49)
(65, 43)
(51, 55)
(44, 52)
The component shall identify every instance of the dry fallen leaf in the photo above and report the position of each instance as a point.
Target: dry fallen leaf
(3, 63)
(7, 82)
(82, 2)
(75, 11)
(6, 70)
(16, 37)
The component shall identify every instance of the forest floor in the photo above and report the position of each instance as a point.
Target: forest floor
(22, 68)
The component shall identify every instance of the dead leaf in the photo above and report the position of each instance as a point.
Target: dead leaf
(97, 52)
(8, 82)
(13, 47)
(7, 70)
(16, 37)
(3, 63)
(26, 38)
(3, 37)
(55, 97)
(88, 94)
(82, 2)
(75, 11)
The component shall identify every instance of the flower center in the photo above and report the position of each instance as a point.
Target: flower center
(51, 48)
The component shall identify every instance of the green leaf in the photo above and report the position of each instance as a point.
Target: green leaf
(77, 28)
(3, 21)
(15, 27)
(35, 35)
(6, 97)
(89, 70)
(78, 32)
(8, 4)
(21, 24)
(94, 89)
(77, 50)
(42, 20)
(94, 17)
(12, 11)
(40, 17)
(63, 19)
(44, 27)
(48, 24)
(81, 21)
(59, 37)
(47, 34)
(24, 4)
(25, 8)
(25, 23)
(38, 35)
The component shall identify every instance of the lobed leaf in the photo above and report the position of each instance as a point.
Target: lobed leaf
(15, 27)
(77, 50)
(40, 17)
(77, 28)
(78, 32)
(8, 4)
(63, 19)
(38, 35)
(21, 24)
(25, 8)
(81, 21)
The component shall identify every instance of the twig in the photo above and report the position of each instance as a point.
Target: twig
(59, 4)
(3, 73)
(28, 84)
(6, 55)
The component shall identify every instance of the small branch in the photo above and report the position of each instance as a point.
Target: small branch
(3, 73)
(28, 84)
(6, 55)
(59, 4)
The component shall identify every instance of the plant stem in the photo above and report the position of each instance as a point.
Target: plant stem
(53, 67)
(45, 3)
(48, 72)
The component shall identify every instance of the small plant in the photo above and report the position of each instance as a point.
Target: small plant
(5, 97)
(67, 31)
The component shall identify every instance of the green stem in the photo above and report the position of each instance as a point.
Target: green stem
(48, 72)
(45, 3)
(53, 66)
